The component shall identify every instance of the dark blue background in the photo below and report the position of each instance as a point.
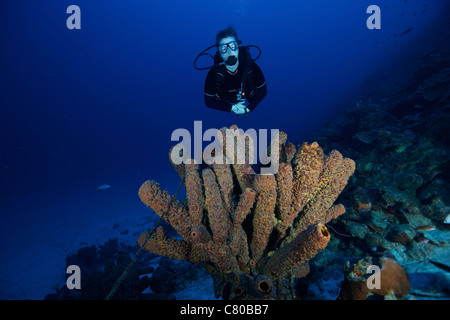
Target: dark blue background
(81, 108)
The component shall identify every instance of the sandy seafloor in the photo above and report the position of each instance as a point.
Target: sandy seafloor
(33, 259)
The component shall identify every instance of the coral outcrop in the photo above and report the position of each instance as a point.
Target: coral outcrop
(393, 280)
(251, 232)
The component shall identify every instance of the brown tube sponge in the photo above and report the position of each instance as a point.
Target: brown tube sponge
(244, 206)
(238, 237)
(225, 180)
(200, 234)
(301, 271)
(262, 288)
(303, 248)
(331, 183)
(284, 196)
(194, 193)
(221, 256)
(242, 147)
(307, 166)
(219, 221)
(289, 151)
(162, 202)
(264, 218)
(261, 229)
(160, 244)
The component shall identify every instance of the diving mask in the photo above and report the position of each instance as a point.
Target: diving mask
(233, 45)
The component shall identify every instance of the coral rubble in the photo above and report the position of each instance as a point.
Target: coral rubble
(252, 232)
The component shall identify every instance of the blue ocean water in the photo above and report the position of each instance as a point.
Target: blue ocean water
(82, 108)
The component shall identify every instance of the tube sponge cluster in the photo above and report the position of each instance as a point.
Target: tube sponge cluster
(251, 231)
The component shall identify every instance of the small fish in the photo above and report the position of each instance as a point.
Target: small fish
(421, 239)
(406, 31)
(447, 219)
(425, 228)
(103, 187)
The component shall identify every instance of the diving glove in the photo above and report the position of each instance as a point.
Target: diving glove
(239, 109)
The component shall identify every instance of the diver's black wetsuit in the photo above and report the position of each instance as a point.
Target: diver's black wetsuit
(255, 88)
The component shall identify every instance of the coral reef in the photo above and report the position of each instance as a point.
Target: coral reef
(252, 232)
(101, 266)
(393, 280)
(400, 190)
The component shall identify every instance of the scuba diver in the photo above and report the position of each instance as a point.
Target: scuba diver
(235, 82)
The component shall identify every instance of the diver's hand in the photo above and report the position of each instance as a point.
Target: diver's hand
(238, 108)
